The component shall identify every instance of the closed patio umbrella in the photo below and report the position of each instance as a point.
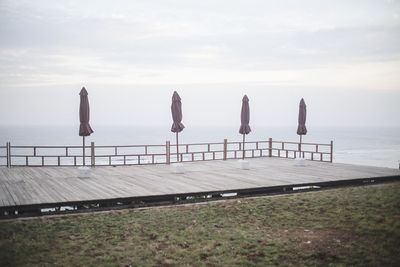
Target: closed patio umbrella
(301, 128)
(245, 120)
(177, 126)
(84, 117)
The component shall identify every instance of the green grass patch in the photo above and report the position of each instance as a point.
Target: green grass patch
(357, 226)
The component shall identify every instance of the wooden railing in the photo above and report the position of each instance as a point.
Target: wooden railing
(4, 155)
(158, 154)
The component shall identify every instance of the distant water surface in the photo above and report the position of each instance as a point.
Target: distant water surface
(364, 146)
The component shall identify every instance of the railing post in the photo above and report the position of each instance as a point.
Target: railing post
(92, 155)
(168, 152)
(225, 149)
(331, 152)
(8, 155)
(270, 147)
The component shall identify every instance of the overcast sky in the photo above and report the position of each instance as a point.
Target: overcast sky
(343, 57)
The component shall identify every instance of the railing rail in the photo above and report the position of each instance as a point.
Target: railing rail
(113, 155)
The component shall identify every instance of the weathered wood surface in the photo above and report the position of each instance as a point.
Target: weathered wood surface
(36, 185)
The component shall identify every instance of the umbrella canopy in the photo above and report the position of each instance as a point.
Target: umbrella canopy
(84, 114)
(301, 128)
(245, 116)
(176, 110)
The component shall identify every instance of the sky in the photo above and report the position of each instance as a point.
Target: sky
(343, 57)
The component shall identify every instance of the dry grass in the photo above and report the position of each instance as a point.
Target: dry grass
(357, 226)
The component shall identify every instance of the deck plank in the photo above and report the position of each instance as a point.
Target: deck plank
(35, 185)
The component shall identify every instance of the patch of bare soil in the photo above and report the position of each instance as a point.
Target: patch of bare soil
(325, 245)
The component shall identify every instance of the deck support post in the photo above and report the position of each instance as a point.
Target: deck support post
(92, 155)
(331, 152)
(225, 149)
(270, 147)
(168, 152)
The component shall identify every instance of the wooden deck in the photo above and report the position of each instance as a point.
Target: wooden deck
(24, 186)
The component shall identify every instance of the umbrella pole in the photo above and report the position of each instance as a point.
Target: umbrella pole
(300, 145)
(83, 151)
(177, 148)
(244, 140)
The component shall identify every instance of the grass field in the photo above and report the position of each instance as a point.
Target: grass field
(357, 226)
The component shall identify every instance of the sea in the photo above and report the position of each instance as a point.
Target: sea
(371, 146)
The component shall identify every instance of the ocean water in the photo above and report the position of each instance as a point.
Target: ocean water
(371, 146)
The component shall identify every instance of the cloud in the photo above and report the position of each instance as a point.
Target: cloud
(164, 42)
